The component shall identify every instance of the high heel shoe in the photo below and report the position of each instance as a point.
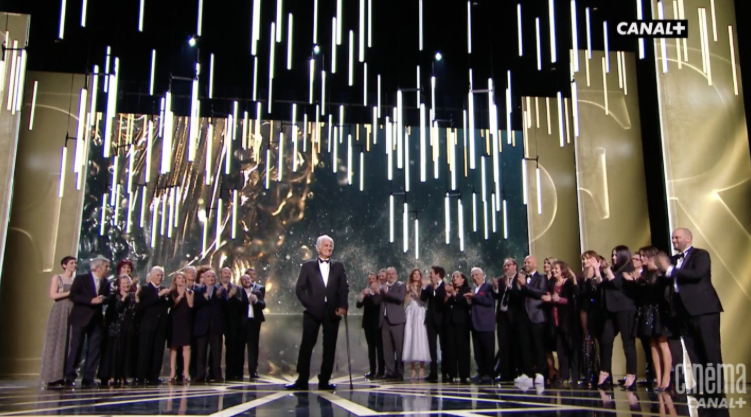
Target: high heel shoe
(631, 386)
(607, 383)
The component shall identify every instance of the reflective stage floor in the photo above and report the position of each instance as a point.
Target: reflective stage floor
(267, 398)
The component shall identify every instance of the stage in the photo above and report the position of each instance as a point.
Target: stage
(265, 398)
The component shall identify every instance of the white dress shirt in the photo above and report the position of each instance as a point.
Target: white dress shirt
(97, 283)
(325, 268)
(251, 313)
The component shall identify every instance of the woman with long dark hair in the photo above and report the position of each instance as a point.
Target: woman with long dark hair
(416, 348)
(458, 309)
(562, 297)
(590, 314)
(618, 317)
(550, 340)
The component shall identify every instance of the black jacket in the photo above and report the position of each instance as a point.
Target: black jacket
(260, 293)
(81, 293)
(209, 312)
(320, 299)
(695, 287)
(370, 312)
(618, 293)
(436, 303)
(153, 308)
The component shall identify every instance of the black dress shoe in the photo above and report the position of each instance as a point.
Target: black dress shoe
(379, 376)
(297, 386)
(369, 375)
(254, 375)
(56, 384)
(644, 382)
(431, 378)
(156, 381)
(447, 379)
(89, 384)
(326, 387)
(464, 381)
(69, 383)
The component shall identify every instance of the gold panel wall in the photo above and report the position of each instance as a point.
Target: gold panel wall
(43, 227)
(552, 214)
(706, 152)
(16, 30)
(610, 162)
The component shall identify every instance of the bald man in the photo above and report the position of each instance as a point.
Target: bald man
(695, 302)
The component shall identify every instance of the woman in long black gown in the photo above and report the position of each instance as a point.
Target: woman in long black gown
(180, 325)
(122, 346)
(459, 324)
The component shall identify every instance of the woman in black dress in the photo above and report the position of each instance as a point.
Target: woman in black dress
(180, 325)
(653, 315)
(120, 352)
(562, 297)
(459, 325)
(590, 314)
(550, 342)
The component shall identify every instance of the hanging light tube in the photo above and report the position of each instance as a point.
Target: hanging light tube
(164, 214)
(454, 168)
(150, 126)
(405, 227)
(80, 138)
(460, 211)
(483, 177)
(305, 133)
(471, 110)
(663, 43)
(505, 221)
(370, 23)
(323, 92)
(361, 33)
(605, 87)
(391, 218)
(280, 158)
(140, 15)
(289, 41)
(20, 82)
(485, 219)
(560, 119)
(349, 159)
(255, 78)
(539, 46)
(574, 35)
(423, 129)
(375, 125)
(279, 18)
(339, 18)
(447, 217)
(294, 137)
(714, 19)
(640, 16)
(399, 129)
(551, 27)
(153, 71)
(589, 33)
(351, 58)
(474, 212)
(607, 46)
(234, 120)
(492, 212)
(219, 224)
(200, 18)
(271, 65)
(84, 7)
(63, 163)
(417, 238)
(209, 146)
(268, 167)
(312, 75)
(525, 185)
(142, 216)
(154, 220)
(256, 31)
(61, 31)
(365, 85)
(234, 214)
(333, 44)
(469, 27)
(362, 171)
(519, 28)
(379, 96)
(731, 41)
(315, 22)
(575, 107)
(94, 93)
(335, 155)
(389, 149)
(539, 191)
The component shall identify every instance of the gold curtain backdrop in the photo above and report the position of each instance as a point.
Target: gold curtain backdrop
(706, 153)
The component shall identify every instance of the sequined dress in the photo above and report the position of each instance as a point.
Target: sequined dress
(56, 337)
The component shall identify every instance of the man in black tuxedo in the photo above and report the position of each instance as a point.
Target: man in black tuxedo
(233, 329)
(322, 289)
(154, 302)
(435, 295)
(370, 326)
(509, 352)
(527, 314)
(210, 304)
(253, 299)
(87, 293)
(695, 302)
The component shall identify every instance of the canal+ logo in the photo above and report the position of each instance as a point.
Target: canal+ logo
(655, 29)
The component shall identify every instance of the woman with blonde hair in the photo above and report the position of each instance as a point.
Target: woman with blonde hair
(180, 325)
(416, 349)
(590, 313)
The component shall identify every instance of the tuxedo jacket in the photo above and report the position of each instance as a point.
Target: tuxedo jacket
(695, 287)
(260, 292)
(528, 299)
(237, 309)
(154, 309)
(370, 312)
(318, 298)
(483, 314)
(436, 303)
(209, 312)
(82, 291)
(618, 292)
(458, 308)
(392, 304)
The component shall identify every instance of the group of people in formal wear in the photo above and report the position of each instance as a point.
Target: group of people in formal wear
(644, 295)
(125, 325)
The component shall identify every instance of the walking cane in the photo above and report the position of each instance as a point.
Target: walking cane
(349, 360)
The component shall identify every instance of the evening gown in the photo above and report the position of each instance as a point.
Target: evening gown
(415, 333)
(56, 337)
(653, 313)
(180, 325)
(120, 352)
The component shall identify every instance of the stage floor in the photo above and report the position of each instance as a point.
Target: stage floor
(266, 398)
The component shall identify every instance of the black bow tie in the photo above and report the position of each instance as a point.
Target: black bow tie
(682, 255)
(325, 261)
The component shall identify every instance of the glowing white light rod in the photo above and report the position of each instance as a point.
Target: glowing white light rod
(294, 137)
(454, 168)
(714, 19)
(485, 219)
(149, 135)
(323, 92)
(142, 218)
(469, 27)
(361, 33)
(153, 71)
(391, 218)
(379, 95)
(423, 129)
(370, 23)
(589, 33)
(335, 154)
(375, 125)
(211, 76)
(315, 22)
(339, 19)
(663, 42)
(484, 181)
(209, 145)
(417, 238)
(234, 214)
(607, 46)
(362, 171)
(333, 45)
(268, 168)
(255, 78)
(560, 119)
(471, 110)
(399, 129)
(278, 21)
(84, 7)
(417, 92)
(280, 158)
(525, 184)
(505, 221)
(731, 41)
(405, 227)
(539, 192)
(200, 18)
(351, 58)
(312, 75)
(389, 148)
(80, 139)
(365, 85)
(63, 162)
(474, 212)
(640, 16)
(349, 159)
(492, 212)
(256, 27)
(235, 120)
(219, 224)
(94, 91)
(539, 46)
(36, 87)
(61, 31)
(551, 24)
(420, 22)
(575, 104)
(447, 219)
(519, 28)
(271, 64)
(140, 15)
(574, 35)
(289, 42)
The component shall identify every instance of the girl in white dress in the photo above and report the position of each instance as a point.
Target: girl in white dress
(415, 333)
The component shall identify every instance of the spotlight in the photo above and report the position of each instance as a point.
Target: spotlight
(438, 56)
(316, 49)
(192, 41)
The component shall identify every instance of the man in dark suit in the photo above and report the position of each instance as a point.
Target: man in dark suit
(435, 295)
(391, 320)
(370, 327)
(253, 295)
(696, 303)
(322, 289)
(154, 301)
(87, 293)
(527, 313)
(509, 352)
(483, 326)
(233, 343)
(210, 304)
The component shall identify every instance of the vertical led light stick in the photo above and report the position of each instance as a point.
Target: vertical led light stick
(574, 35)
(447, 217)
(460, 211)
(474, 212)
(370, 23)
(423, 129)
(209, 145)
(280, 158)
(140, 15)
(420, 22)
(551, 24)
(234, 214)
(349, 159)
(640, 16)
(405, 227)
(219, 224)
(199, 25)
(391, 218)
(539, 46)
(362, 171)
(256, 28)
(315, 22)
(560, 119)
(153, 72)
(469, 27)
(589, 32)
(312, 75)
(289, 42)
(61, 30)
(36, 88)
(525, 183)
(351, 58)
(63, 163)
(519, 28)
(279, 13)
(333, 45)
(271, 64)
(417, 238)
(607, 46)
(539, 191)
(361, 33)
(399, 129)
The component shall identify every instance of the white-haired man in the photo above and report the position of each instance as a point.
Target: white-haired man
(154, 302)
(322, 289)
(88, 293)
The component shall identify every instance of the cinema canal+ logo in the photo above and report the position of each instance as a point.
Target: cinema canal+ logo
(655, 29)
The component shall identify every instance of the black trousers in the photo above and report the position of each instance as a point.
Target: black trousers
(251, 334)
(93, 331)
(701, 334)
(310, 328)
(436, 332)
(375, 349)
(459, 338)
(568, 356)
(484, 348)
(508, 348)
(532, 346)
(649, 370)
(623, 322)
(233, 352)
(212, 341)
(151, 352)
